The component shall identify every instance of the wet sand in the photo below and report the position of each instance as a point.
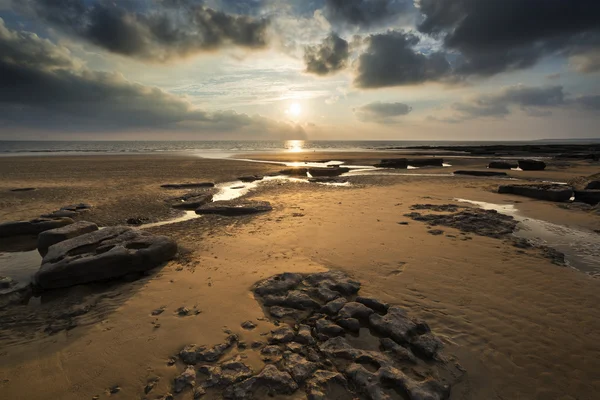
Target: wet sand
(522, 327)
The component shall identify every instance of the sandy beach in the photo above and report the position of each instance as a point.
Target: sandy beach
(521, 326)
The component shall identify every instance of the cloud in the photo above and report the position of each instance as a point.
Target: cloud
(364, 13)
(588, 62)
(533, 101)
(171, 29)
(494, 36)
(382, 112)
(391, 60)
(41, 88)
(327, 58)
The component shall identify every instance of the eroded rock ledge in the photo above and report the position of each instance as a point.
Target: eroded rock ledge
(329, 343)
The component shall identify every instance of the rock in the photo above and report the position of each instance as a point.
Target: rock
(193, 354)
(435, 232)
(436, 207)
(397, 352)
(502, 165)
(591, 197)
(101, 255)
(294, 299)
(60, 214)
(248, 325)
(53, 236)
(294, 171)
(77, 207)
(183, 311)
(186, 379)
(283, 334)
(235, 207)
(294, 347)
(355, 310)
(271, 353)
(198, 392)
(299, 367)
(137, 221)
(559, 193)
(304, 335)
(426, 162)
(331, 171)
(427, 345)
(270, 378)
(480, 173)
(373, 304)
(33, 227)
(396, 163)
(334, 306)
(27, 189)
(429, 389)
(593, 185)
(328, 328)
(350, 324)
(532, 165)
(333, 280)
(6, 282)
(193, 203)
(327, 180)
(338, 347)
(188, 185)
(322, 294)
(325, 385)
(158, 311)
(250, 178)
(150, 385)
(284, 312)
(277, 284)
(395, 324)
(226, 374)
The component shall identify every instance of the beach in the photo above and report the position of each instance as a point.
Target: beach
(519, 325)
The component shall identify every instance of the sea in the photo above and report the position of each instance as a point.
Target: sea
(225, 148)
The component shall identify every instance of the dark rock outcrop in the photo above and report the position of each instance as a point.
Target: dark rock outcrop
(101, 255)
(532, 165)
(193, 203)
(396, 163)
(331, 171)
(480, 173)
(593, 185)
(426, 162)
(502, 165)
(294, 171)
(235, 207)
(591, 197)
(558, 193)
(28, 189)
(53, 236)
(327, 180)
(33, 227)
(188, 185)
(250, 178)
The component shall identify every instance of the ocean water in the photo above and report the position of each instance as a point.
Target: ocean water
(15, 148)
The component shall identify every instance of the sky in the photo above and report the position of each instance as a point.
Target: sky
(300, 69)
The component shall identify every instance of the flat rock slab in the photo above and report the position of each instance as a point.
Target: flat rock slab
(396, 163)
(294, 171)
(33, 227)
(532, 165)
(480, 173)
(188, 185)
(250, 178)
(53, 236)
(102, 255)
(193, 203)
(235, 207)
(30, 189)
(331, 171)
(557, 193)
(502, 165)
(329, 180)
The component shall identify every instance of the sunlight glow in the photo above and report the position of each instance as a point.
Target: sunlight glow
(294, 146)
(295, 109)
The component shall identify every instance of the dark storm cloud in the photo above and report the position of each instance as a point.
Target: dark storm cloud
(382, 112)
(499, 35)
(364, 13)
(327, 58)
(174, 28)
(40, 87)
(391, 60)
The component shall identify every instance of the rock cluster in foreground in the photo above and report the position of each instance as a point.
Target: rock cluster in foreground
(557, 193)
(331, 344)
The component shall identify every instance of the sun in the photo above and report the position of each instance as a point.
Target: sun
(295, 109)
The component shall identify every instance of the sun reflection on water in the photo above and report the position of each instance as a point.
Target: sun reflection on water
(294, 146)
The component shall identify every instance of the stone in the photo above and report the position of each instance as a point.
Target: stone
(270, 378)
(294, 171)
(591, 197)
(283, 334)
(480, 173)
(60, 214)
(284, 312)
(293, 299)
(330, 171)
(271, 353)
(327, 180)
(429, 389)
(6, 282)
(192, 354)
(322, 294)
(277, 284)
(235, 207)
(33, 227)
(373, 304)
(396, 163)
(248, 325)
(226, 374)
(593, 185)
(323, 384)
(250, 178)
(426, 162)
(328, 328)
(53, 236)
(398, 353)
(304, 335)
(532, 165)
(101, 255)
(502, 165)
(395, 324)
(558, 193)
(77, 207)
(193, 203)
(298, 367)
(188, 185)
(426, 345)
(334, 306)
(350, 324)
(355, 310)
(137, 221)
(27, 189)
(338, 347)
(186, 379)
(333, 280)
